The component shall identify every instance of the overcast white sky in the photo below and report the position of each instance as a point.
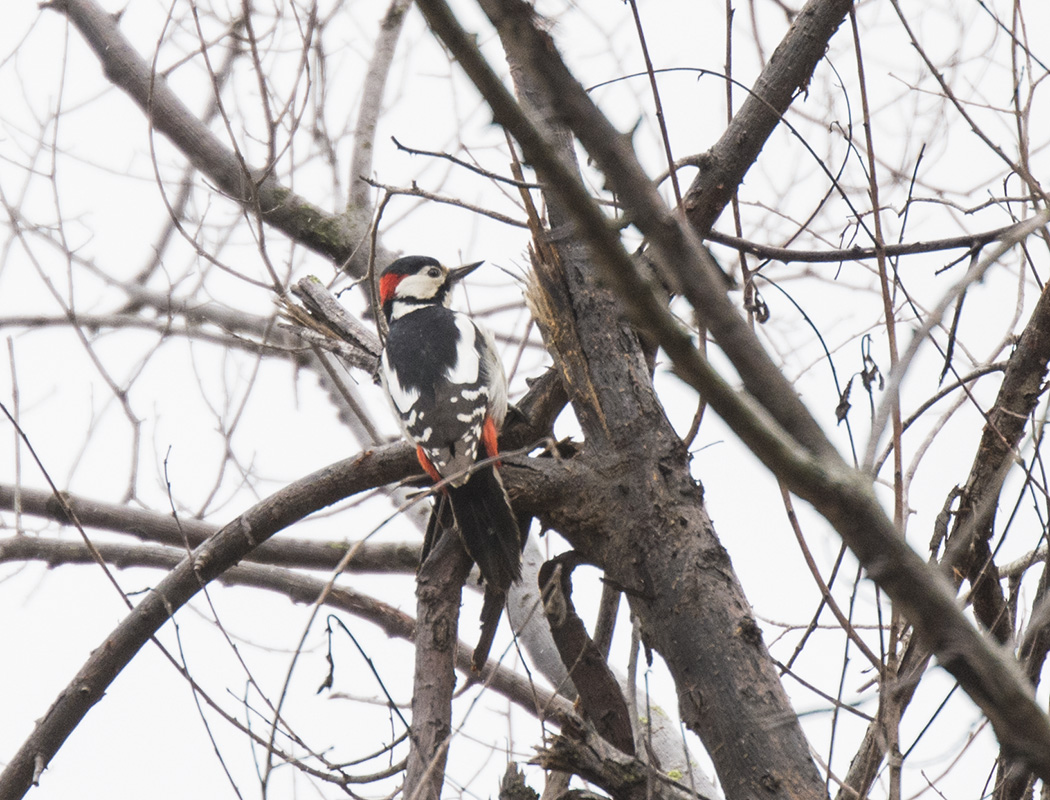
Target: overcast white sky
(146, 737)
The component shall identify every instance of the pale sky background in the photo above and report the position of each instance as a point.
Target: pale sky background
(146, 737)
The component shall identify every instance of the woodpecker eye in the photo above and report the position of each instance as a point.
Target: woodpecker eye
(434, 272)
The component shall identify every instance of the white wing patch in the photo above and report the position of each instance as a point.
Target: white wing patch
(468, 366)
(497, 388)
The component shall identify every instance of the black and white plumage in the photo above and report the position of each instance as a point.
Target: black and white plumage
(449, 392)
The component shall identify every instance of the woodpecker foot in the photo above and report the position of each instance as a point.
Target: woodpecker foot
(515, 416)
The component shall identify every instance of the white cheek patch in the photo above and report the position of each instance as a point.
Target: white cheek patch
(468, 366)
(420, 286)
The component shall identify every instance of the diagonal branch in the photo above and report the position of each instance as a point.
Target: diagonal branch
(684, 264)
(325, 233)
(969, 553)
(207, 562)
(775, 430)
(299, 588)
(359, 202)
(151, 526)
(651, 535)
(787, 72)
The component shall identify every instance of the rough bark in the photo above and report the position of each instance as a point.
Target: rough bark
(683, 263)
(771, 422)
(600, 698)
(646, 525)
(671, 504)
(579, 751)
(438, 589)
(653, 538)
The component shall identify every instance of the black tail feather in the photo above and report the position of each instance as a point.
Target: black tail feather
(488, 527)
(491, 611)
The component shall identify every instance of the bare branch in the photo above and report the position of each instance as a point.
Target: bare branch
(786, 255)
(438, 591)
(816, 473)
(580, 751)
(415, 191)
(326, 233)
(151, 526)
(787, 73)
(359, 203)
(298, 588)
(206, 563)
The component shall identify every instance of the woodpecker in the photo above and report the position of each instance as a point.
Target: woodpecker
(448, 390)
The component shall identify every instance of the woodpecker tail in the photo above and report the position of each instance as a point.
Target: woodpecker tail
(488, 527)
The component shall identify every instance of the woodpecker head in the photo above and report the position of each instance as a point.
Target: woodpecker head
(416, 281)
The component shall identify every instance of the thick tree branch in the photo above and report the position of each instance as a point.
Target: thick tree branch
(580, 751)
(787, 72)
(438, 590)
(697, 619)
(814, 471)
(685, 265)
(600, 697)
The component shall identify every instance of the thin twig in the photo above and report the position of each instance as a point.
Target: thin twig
(415, 191)
(492, 176)
(785, 255)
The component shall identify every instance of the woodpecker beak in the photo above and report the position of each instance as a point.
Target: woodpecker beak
(459, 273)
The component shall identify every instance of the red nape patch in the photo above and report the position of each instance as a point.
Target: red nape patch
(387, 284)
(490, 438)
